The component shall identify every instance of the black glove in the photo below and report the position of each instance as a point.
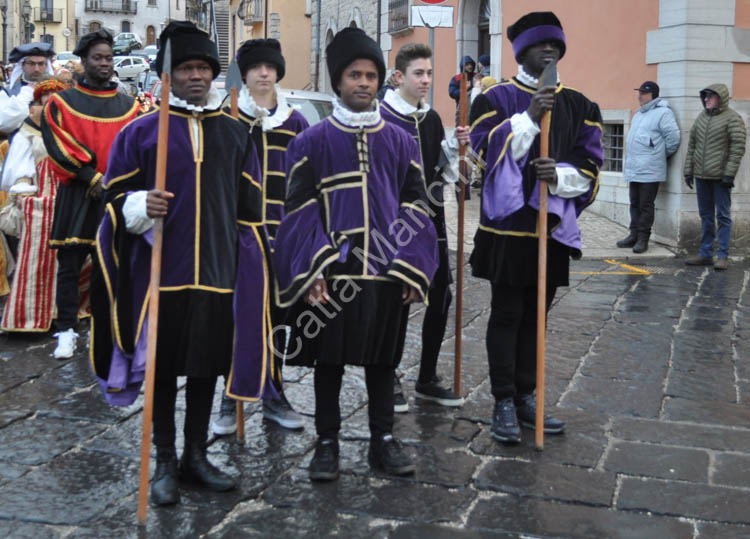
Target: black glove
(727, 181)
(689, 181)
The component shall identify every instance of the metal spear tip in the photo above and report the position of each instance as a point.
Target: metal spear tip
(234, 76)
(166, 65)
(549, 76)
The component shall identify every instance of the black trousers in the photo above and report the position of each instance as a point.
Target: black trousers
(433, 331)
(642, 196)
(199, 396)
(379, 380)
(70, 260)
(511, 339)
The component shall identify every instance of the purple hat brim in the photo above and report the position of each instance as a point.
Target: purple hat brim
(538, 34)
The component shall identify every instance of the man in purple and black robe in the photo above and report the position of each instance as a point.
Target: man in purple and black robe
(214, 316)
(505, 126)
(355, 246)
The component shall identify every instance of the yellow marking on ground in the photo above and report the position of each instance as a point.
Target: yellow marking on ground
(632, 270)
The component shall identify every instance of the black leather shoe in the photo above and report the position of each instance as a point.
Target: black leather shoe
(526, 412)
(505, 423)
(164, 483)
(641, 246)
(387, 454)
(196, 469)
(324, 465)
(629, 241)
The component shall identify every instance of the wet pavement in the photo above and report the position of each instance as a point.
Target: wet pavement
(648, 362)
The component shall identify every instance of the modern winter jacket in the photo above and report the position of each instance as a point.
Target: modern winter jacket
(717, 140)
(454, 88)
(654, 135)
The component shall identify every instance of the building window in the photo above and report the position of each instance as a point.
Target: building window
(398, 15)
(151, 2)
(613, 147)
(125, 26)
(48, 38)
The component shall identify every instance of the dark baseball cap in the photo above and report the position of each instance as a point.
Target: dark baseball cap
(649, 87)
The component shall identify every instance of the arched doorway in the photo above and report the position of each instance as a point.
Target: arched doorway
(479, 31)
(150, 35)
(125, 26)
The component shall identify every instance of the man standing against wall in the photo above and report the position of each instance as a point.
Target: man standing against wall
(653, 137)
(715, 149)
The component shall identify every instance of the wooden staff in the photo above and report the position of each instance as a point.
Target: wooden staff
(549, 77)
(234, 81)
(153, 304)
(462, 180)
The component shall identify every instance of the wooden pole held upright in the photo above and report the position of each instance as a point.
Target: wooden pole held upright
(153, 303)
(541, 305)
(233, 99)
(462, 181)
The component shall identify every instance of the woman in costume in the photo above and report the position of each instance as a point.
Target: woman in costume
(32, 185)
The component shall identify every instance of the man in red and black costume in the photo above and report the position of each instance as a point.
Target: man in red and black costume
(78, 127)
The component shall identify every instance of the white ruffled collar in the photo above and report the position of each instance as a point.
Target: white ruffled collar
(356, 119)
(213, 102)
(528, 80)
(400, 105)
(268, 121)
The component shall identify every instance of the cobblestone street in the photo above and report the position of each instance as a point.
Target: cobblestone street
(648, 363)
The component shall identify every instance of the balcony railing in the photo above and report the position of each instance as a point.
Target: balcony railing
(398, 15)
(113, 6)
(48, 15)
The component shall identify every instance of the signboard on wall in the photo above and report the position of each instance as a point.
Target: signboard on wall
(432, 16)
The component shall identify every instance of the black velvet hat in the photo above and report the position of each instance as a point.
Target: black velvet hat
(536, 27)
(255, 51)
(30, 49)
(348, 45)
(187, 43)
(91, 39)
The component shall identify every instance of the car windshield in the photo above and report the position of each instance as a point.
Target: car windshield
(313, 111)
(121, 42)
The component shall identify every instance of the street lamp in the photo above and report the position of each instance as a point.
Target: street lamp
(26, 10)
(4, 11)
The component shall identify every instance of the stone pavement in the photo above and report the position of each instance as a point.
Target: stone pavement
(648, 362)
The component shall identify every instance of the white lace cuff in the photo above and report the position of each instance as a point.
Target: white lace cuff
(524, 133)
(570, 182)
(137, 220)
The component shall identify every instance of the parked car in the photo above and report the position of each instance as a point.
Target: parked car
(128, 67)
(142, 54)
(314, 106)
(130, 36)
(66, 56)
(152, 51)
(125, 45)
(146, 80)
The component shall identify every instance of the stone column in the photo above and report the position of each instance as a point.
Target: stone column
(697, 44)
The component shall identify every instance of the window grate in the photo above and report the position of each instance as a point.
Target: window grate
(398, 15)
(613, 147)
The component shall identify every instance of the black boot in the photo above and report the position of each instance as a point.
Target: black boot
(629, 241)
(324, 465)
(195, 468)
(387, 454)
(641, 246)
(164, 483)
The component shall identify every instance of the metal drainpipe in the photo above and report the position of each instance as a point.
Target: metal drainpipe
(379, 15)
(317, 50)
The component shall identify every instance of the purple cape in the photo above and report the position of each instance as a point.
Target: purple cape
(214, 245)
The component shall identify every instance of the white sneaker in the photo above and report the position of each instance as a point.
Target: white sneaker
(66, 344)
